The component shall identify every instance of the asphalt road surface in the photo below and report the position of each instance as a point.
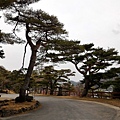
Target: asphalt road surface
(67, 109)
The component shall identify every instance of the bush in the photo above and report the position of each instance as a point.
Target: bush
(22, 99)
(29, 98)
(116, 92)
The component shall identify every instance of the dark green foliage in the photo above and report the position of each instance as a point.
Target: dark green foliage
(40, 29)
(52, 78)
(19, 99)
(88, 60)
(4, 78)
(116, 91)
(40, 25)
(60, 91)
(116, 83)
(27, 98)
(4, 4)
(8, 37)
(1, 54)
(17, 79)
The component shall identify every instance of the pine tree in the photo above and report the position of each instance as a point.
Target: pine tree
(40, 29)
(88, 60)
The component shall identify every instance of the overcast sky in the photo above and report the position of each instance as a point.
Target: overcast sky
(90, 21)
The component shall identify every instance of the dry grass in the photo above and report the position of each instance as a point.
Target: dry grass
(16, 106)
(115, 102)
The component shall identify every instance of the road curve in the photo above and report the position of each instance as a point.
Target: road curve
(67, 109)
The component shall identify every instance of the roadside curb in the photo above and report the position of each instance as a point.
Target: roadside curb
(10, 112)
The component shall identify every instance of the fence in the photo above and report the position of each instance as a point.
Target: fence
(107, 95)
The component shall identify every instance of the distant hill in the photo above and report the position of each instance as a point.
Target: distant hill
(74, 83)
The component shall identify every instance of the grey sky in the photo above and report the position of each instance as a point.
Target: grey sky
(96, 21)
(90, 21)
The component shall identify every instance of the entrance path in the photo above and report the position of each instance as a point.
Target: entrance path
(66, 109)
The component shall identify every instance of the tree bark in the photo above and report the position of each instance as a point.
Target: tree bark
(51, 91)
(46, 90)
(86, 88)
(25, 86)
(22, 94)
(34, 48)
(60, 91)
(51, 87)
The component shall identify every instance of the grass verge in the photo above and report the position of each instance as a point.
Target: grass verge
(114, 102)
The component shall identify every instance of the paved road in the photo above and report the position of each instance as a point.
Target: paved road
(66, 109)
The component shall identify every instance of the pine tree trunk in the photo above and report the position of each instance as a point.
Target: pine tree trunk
(86, 88)
(22, 94)
(46, 90)
(60, 91)
(51, 92)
